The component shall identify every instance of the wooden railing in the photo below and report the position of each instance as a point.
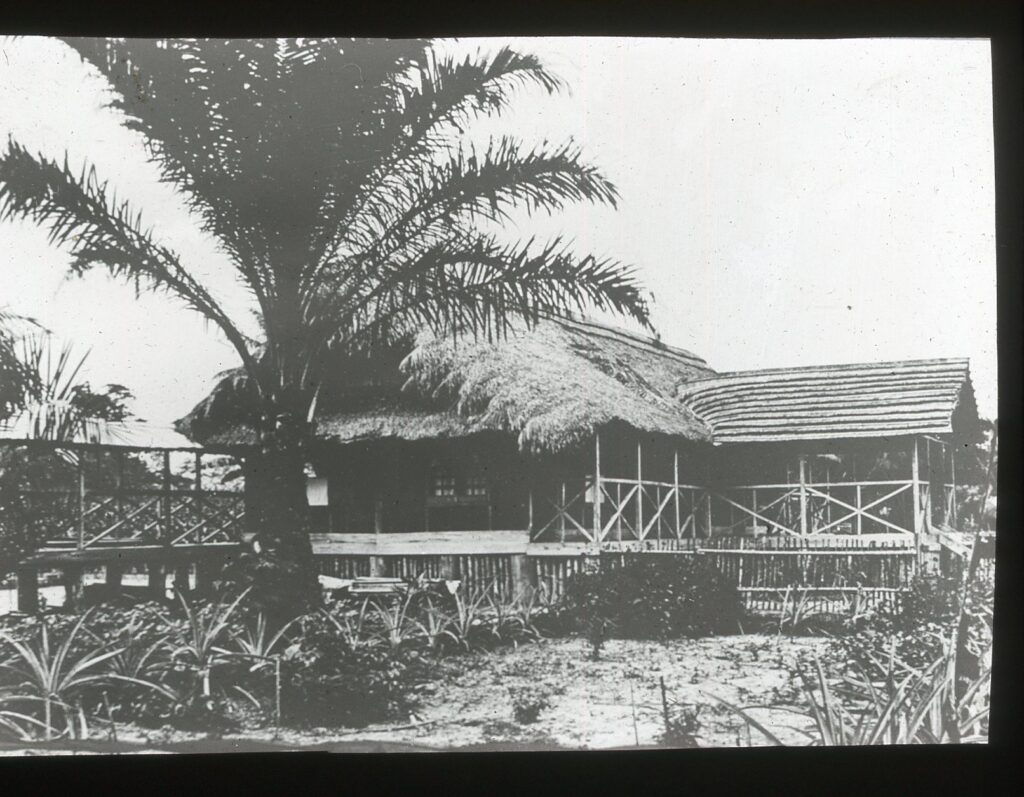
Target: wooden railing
(99, 518)
(862, 507)
(640, 510)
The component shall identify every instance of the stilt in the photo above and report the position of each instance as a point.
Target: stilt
(74, 588)
(114, 575)
(522, 574)
(182, 572)
(206, 576)
(157, 580)
(28, 590)
(377, 567)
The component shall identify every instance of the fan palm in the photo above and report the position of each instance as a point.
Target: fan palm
(336, 177)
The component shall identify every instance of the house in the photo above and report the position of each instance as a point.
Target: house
(517, 459)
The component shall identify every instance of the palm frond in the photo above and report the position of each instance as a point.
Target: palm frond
(81, 214)
(481, 286)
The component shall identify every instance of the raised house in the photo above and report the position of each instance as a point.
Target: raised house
(519, 460)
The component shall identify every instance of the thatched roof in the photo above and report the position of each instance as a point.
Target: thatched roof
(551, 386)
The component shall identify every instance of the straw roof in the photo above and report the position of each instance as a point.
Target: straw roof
(551, 386)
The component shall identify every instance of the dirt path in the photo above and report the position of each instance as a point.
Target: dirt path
(592, 703)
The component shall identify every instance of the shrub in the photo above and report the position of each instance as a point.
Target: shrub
(527, 703)
(921, 707)
(327, 681)
(915, 632)
(653, 597)
(682, 726)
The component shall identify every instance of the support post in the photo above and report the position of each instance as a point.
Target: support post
(157, 580)
(803, 495)
(181, 578)
(377, 567)
(561, 514)
(860, 517)
(28, 590)
(446, 566)
(120, 483)
(953, 520)
(165, 501)
(529, 512)
(81, 500)
(597, 488)
(521, 575)
(915, 476)
(707, 496)
(378, 514)
(114, 573)
(206, 575)
(639, 495)
(675, 487)
(74, 588)
(199, 471)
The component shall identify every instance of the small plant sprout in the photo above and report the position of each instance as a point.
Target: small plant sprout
(527, 703)
(394, 617)
(351, 625)
(466, 619)
(433, 623)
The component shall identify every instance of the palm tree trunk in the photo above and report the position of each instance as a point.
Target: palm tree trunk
(280, 567)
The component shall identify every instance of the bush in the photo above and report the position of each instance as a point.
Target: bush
(917, 630)
(328, 681)
(527, 703)
(653, 597)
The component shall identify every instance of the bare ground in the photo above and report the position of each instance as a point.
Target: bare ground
(614, 702)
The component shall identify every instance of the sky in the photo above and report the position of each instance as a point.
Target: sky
(786, 203)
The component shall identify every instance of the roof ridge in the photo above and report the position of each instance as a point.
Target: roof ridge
(879, 364)
(628, 337)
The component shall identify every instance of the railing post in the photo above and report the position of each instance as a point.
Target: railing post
(675, 487)
(915, 476)
(81, 500)
(561, 514)
(165, 501)
(157, 580)
(529, 512)
(74, 587)
(597, 487)
(28, 590)
(119, 514)
(803, 495)
(639, 494)
(953, 520)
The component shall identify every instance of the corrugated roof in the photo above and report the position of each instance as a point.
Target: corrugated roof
(120, 434)
(833, 401)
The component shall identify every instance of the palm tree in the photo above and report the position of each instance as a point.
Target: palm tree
(335, 176)
(18, 381)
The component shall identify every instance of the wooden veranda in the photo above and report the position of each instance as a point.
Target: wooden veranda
(168, 525)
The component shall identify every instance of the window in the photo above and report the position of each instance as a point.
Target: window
(442, 481)
(458, 482)
(458, 497)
